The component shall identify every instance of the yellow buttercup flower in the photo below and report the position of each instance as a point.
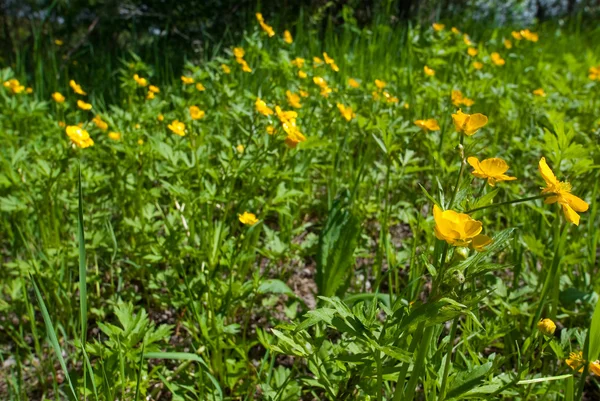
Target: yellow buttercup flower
(561, 193)
(302, 74)
(294, 137)
(58, 42)
(353, 83)
(287, 37)
(539, 92)
(160, 117)
(187, 80)
(248, 218)
(516, 35)
(298, 62)
(329, 61)
(497, 59)
(288, 122)
(196, 113)
(478, 65)
(99, 123)
(154, 89)
(150, 95)
(83, 105)
(262, 108)
(317, 61)
(79, 136)
(346, 112)
(546, 327)
(225, 68)
(459, 229)
(595, 367)
(438, 27)
(76, 88)
(303, 93)
(389, 98)
(270, 129)
(14, 86)
(140, 141)
(576, 361)
(468, 124)
(491, 169)
(472, 51)
(267, 28)
(200, 87)
(430, 72)
(140, 81)
(530, 36)
(430, 124)
(458, 99)
(177, 127)
(508, 44)
(58, 97)
(380, 84)
(29, 90)
(115, 136)
(594, 73)
(455, 30)
(240, 148)
(293, 99)
(238, 52)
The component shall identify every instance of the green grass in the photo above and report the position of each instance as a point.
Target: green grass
(127, 274)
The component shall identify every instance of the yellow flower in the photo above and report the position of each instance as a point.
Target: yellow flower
(29, 90)
(14, 86)
(293, 138)
(438, 27)
(389, 98)
(262, 108)
(115, 136)
(406, 106)
(301, 74)
(380, 84)
(595, 367)
(76, 88)
(459, 99)
(287, 37)
(58, 97)
(353, 83)
(329, 61)
(317, 61)
(240, 148)
(516, 35)
(83, 105)
(225, 68)
(62, 124)
(303, 93)
(177, 127)
(497, 59)
(472, 51)
(539, 92)
(325, 91)
(507, 44)
(298, 62)
(238, 52)
(293, 99)
(140, 142)
(576, 361)
(244, 64)
(561, 193)
(270, 129)
(455, 30)
(346, 112)
(150, 95)
(430, 72)
(288, 121)
(99, 123)
(196, 113)
(200, 87)
(547, 327)
(528, 35)
(478, 65)
(594, 73)
(468, 124)
(154, 89)
(459, 229)
(140, 81)
(493, 169)
(319, 81)
(467, 40)
(428, 125)
(58, 42)
(268, 29)
(248, 218)
(187, 80)
(79, 136)
(160, 117)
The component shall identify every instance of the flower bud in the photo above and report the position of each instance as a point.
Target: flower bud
(547, 327)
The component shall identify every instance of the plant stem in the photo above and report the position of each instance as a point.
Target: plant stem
(508, 202)
(448, 360)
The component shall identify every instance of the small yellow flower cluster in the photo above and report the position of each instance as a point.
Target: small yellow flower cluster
(438, 27)
(322, 84)
(143, 82)
(267, 28)
(379, 84)
(497, 59)
(293, 99)
(239, 54)
(458, 99)
(330, 62)
(298, 62)
(430, 72)
(14, 86)
(288, 122)
(100, 123)
(346, 112)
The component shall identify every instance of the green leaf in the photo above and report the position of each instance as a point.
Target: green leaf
(594, 348)
(274, 286)
(466, 381)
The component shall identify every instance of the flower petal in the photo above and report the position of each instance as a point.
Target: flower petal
(546, 172)
(570, 214)
(578, 204)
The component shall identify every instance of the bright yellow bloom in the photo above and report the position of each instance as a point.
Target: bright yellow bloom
(301, 74)
(478, 65)
(154, 89)
(430, 124)
(200, 87)
(346, 112)
(270, 129)
(140, 81)
(319, 81)
(14, 86)
(595, 367)
(594, 73)
(317, 61)
(547, 327)
(576, 361)
(455, 30)
(225, 68)
(177, 127)
(248, 218)
(459, 99)
(58, 42)
(196, 113)
(288, 121)
(58, 97)
(561, 193)
(507, 44)
(516, 35)
(160, 117)
(530, 36)
(83, 105)
(99, 123)
(76, 88)
(238, 52)
(268, 29)
(438, 27)
(79, 136)
(389, 98)
(298, 62)
(150, 95)
(492, 169)
(540, 92)
(497, 59)
(353, 83)
(472, 51)
(459, 229)
(380, 84)
(240, 148)
(262, 107)
(294, 137)
(244, 64)
(287, 37)
(187, 80)
(115, 136)
(468, 124)
(328, 60)
(430, 72)
(293, 99)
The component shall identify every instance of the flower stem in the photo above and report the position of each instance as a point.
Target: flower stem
(508, 202)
